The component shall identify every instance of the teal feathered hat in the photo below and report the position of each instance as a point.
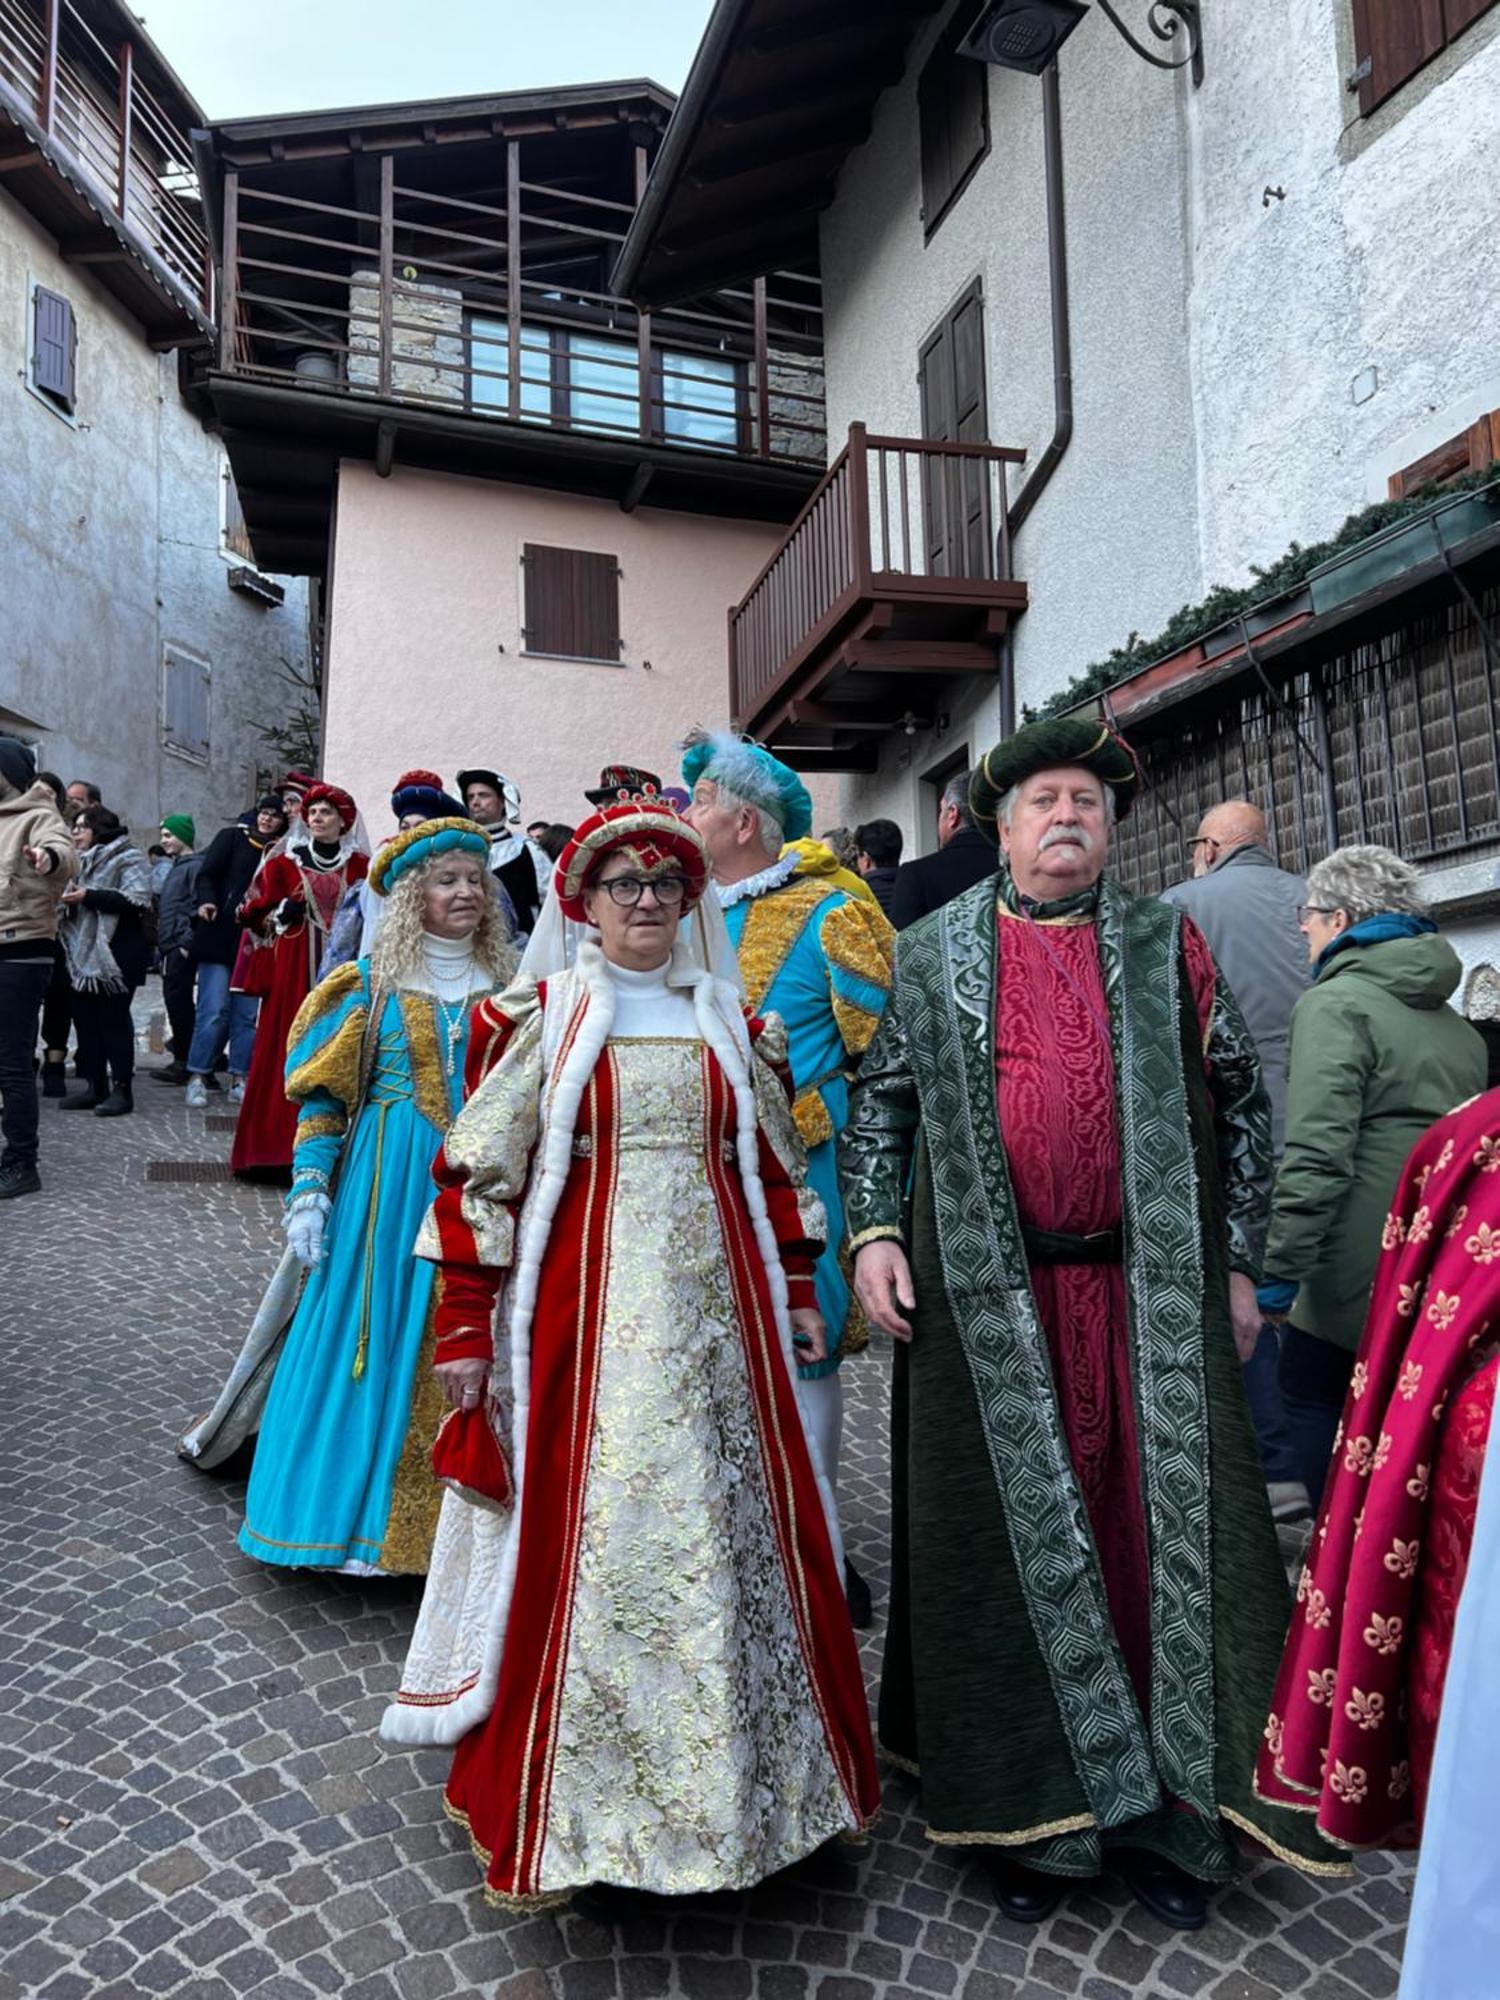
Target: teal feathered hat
(749, 771)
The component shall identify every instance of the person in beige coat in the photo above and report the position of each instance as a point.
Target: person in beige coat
(36, 864)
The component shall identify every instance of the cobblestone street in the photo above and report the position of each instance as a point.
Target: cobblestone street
(193, 1800)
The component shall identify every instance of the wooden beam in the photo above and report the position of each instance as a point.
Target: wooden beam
(745, 223)
(853, 80)
(11, 163)
(635, 492)
(387, 270)
(385, 446)
(904, 656)
(821, 715)
(47, 103)
(98, 247)
(832, 134)
(127, 124)
(863, 757)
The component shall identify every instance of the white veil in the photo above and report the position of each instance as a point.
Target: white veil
(702, 944)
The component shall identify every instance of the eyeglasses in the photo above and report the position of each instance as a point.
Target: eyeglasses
(1306, 910)
(1202, 840)
(626, 890)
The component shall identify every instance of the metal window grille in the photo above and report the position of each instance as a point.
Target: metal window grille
(1395, 740)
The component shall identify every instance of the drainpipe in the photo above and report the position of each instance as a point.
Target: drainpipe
(1035, 484)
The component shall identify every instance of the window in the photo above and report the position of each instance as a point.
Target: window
(54, 349)
(572, 603)
(489, 368)
(1471, 451)
(185, 682)
(956, 491)
(700, 400)
(953, 111)
(1393, 39)
(234, 535)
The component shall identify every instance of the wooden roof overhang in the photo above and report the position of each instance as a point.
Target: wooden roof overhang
(780, 93)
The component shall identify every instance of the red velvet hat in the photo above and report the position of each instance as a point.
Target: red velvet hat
(333, 795)
(651, 830)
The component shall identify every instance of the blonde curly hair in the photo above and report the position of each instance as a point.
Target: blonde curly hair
(397, 959)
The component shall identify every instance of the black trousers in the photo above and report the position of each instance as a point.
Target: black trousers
(57, 1008)
(1314, 1379)
(178, 976)
(106, 1039)
(22, 987)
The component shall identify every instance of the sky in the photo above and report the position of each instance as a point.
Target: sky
(302, 55)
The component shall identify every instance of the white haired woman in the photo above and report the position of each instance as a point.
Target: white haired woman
(375, 1063)
(641, 1638)
(1376, 1055)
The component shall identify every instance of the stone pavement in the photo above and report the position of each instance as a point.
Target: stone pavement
(192, 1798)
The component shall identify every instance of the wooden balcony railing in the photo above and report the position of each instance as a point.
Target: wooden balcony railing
(902, 522)
(86, 97)
(434, 299)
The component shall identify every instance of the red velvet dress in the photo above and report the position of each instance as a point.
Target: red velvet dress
(286, 973)
(1060, 1122)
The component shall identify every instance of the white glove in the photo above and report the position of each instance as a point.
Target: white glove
(304, 1228)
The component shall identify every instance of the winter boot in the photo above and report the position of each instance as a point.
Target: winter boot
(117, 1104)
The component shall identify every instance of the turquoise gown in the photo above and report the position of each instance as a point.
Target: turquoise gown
(342, 1470)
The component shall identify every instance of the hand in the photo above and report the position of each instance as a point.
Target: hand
(808, 1323)
(207, 912)
(304, 1234)
(882, 1281)
(463, 1382)
(72, 894)
(41, 860)
(1245, 1314)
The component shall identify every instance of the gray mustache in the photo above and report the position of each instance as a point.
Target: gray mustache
(1066, 836)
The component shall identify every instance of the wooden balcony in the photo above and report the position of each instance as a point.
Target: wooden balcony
(94, 143)
(895, 575)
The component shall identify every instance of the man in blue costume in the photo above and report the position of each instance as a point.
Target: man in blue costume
(820, 957)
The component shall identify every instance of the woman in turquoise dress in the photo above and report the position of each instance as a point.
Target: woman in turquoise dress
(342, 1477)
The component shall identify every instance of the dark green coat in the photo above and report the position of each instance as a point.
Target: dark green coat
(1003, 1681)
(1376, 1056)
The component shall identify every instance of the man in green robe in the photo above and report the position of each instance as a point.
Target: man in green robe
(1053, 1174)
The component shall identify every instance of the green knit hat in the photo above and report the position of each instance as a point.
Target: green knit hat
(181, 826)
(1042, 746)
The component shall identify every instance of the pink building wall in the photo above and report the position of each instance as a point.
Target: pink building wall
(425, 665)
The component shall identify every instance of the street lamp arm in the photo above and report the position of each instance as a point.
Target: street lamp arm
(1165, 18)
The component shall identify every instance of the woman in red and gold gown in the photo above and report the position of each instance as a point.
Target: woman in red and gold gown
(1352, 1730)
(290, 907)
(640, 1644)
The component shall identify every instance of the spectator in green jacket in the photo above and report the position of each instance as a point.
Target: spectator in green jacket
(1376, 1055)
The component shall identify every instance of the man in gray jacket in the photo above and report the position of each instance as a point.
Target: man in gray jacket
(1247, 909)
(36, 865)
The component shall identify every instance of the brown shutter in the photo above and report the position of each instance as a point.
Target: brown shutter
(52, 346)
(950, 368)
(1460, 14)
(1471, 450)
(953, 116)
(572, 603)
(1392, 40)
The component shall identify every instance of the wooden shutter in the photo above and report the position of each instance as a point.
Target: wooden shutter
(953, 116)
(53, 341)
(185, 705)
(1470, 451)
(1393, 39)
(955, 492)
(572, 603)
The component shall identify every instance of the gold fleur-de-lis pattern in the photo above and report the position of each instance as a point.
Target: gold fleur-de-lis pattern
(1384, 1634)
(1350, 1782)
(1484, 1245)
(1365, 1711)
(1411, 1380)
(1443, 1310)
(1401, 1558)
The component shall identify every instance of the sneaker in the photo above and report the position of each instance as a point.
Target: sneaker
(17, 1179)
(1289, 1501)
(236, 1090)
(196, 1098)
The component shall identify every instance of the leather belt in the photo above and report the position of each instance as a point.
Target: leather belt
(1055, 1246)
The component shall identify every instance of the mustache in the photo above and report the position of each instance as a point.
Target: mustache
(1066, 836)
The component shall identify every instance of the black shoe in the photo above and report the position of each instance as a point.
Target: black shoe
(1161, 1887)
(857, 1594)
(86, 1100)
(172, 1072)
(17, 1179)
(1022, 1894)
(211, 1082)
(117, 1104)
(54, 1079)
(603, 1903)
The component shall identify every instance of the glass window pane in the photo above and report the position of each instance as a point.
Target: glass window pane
(603, 378)
(700, 396)
(489, 366)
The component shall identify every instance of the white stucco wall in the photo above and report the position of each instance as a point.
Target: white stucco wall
(425, 662)
(109, 552)
(1217, 333)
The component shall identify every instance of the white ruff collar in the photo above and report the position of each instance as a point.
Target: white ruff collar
(775, 877)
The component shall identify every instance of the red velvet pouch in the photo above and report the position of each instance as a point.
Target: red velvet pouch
(467, 1456)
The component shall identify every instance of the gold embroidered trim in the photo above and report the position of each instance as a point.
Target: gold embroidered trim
(335, 1066)
(553, 1900)
(812, 1119)
(773, 925)
(416, 1496)
(320, 1125)
(1072, 923)
(429, 1087)
(881, 1233)
(1078, 1824)
(1285, 1854)
(901, 1763)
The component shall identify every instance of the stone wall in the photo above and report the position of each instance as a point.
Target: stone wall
(427, 344)
(789, 377)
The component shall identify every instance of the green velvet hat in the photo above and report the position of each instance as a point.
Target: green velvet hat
(1043, 746)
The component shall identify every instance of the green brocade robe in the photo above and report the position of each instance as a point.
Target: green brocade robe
(1003, 1682)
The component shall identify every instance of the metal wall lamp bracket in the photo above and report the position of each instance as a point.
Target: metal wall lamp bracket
(1027, 34)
